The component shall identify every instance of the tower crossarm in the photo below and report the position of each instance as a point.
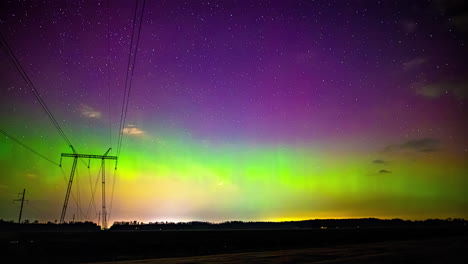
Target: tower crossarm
(88, 156)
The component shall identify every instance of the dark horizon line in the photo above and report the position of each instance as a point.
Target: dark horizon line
(448, 219)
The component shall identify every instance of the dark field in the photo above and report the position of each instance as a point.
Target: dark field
(439, 250)
(358, 245)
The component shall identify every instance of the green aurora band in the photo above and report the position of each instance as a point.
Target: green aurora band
(175, 177)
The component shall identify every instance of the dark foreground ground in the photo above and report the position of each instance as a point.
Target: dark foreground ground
(439, 250)
(358, 245)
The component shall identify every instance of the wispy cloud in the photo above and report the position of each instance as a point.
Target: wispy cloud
(133, 131)
(384, 171)
(379, 161)
(414, 63)
(457, 89)
(31, 175)
(89, 112)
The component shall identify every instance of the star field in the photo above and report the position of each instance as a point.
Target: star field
(249, 110)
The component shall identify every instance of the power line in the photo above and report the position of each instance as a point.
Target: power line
(125, 100)
(133, 68)
(27, 147)
(30, 84)
(108, 73)
(126, 79)
(130, 72)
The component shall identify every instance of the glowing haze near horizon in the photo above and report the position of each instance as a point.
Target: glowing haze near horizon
(240, 110)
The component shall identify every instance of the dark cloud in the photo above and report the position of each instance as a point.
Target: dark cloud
(384, 171)
(455, 12)
(422, 145)
(429, 150)
(409, 26)
(460, 22)
(390, 148)
(379, 161)
(419, 145)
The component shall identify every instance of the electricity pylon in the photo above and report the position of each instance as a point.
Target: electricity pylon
(75, 157)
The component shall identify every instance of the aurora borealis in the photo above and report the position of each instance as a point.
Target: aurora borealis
(240, 110)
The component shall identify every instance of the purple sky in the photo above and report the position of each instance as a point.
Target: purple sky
(370, 74)
(276, 70)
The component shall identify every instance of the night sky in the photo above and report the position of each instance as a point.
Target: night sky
(239, 110)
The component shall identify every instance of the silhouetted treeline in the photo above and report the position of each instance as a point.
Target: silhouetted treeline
(10, 226)
(35, 226)
(307, 224)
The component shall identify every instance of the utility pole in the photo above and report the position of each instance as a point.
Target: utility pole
(75, 157)
(22, 202)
